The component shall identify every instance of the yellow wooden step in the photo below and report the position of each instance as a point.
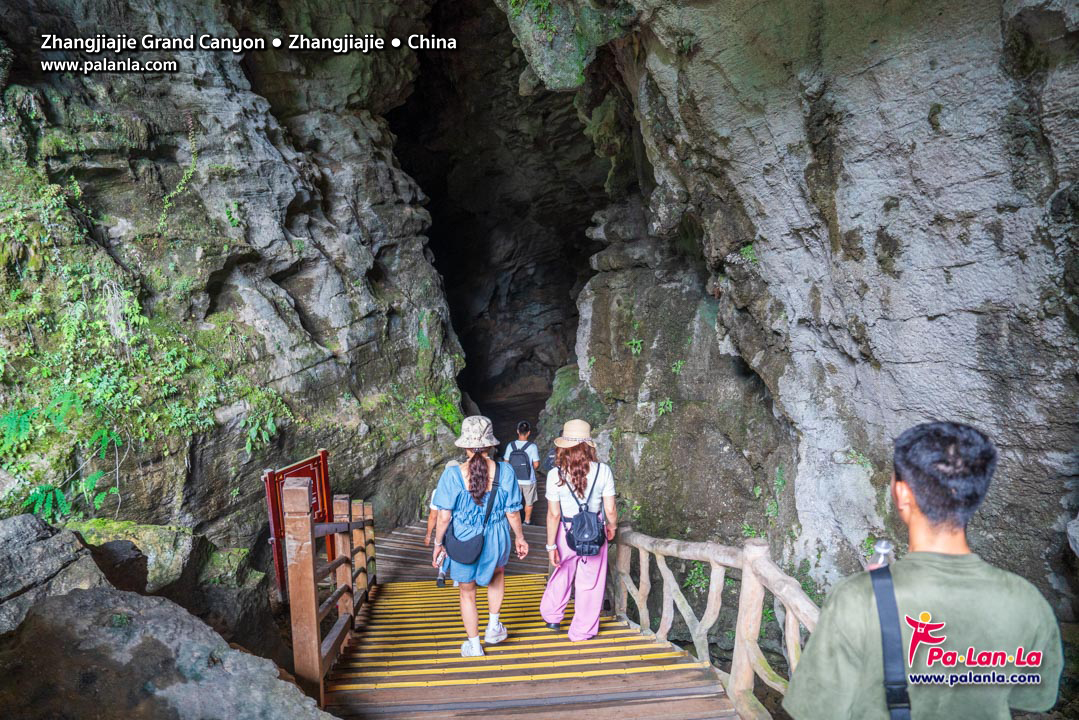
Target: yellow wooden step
(483, 664)
(359, 646)
(365, 660)
(333, 686)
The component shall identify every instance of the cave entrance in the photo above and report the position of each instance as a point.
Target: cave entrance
(513, 183)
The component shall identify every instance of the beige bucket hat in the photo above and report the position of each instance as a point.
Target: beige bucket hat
(575, 432)
(476, 432)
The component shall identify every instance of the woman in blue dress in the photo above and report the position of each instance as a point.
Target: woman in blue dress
(461, 498)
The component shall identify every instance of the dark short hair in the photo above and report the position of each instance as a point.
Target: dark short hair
(948, 466)
(523, 427)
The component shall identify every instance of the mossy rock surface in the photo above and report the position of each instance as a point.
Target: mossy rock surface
(174, 554)
(559, 37)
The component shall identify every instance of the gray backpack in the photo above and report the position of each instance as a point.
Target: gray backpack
(520, 462)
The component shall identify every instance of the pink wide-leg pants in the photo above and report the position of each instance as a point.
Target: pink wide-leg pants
(586, 578)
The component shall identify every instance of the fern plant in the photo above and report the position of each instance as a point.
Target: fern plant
(48, 501)
(260, 425)
(90, 493)
(181, 187)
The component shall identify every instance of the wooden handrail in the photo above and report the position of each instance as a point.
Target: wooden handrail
(324, 569)
(759, 573)
(352, 530)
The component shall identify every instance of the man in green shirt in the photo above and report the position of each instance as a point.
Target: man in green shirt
(984, 639)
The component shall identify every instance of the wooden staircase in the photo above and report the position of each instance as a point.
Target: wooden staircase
(404, 661)
(385, 643)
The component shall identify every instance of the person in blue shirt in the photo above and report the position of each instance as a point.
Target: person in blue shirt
(461, 498)
(523, 457)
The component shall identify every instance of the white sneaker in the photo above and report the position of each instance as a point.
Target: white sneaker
(495, 635)
(468, 651)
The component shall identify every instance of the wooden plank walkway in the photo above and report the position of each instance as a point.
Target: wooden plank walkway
(402, 556)
(403, 660)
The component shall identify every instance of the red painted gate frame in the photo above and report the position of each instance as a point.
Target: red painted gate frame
(317, 468)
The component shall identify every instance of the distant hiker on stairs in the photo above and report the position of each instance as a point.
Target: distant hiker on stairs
(478, 503)
(577, 536)
(523, 457)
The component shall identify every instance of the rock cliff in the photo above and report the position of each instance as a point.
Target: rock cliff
(223, 268)
(883, 208)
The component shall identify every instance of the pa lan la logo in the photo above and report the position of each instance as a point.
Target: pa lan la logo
(923, 633)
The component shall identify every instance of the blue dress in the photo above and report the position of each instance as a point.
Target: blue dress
(452, 494)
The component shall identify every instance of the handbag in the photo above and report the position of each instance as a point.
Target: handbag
(468, 551)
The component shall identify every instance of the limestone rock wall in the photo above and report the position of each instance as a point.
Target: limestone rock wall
(255, 209)
(699, 449)
(884, 203)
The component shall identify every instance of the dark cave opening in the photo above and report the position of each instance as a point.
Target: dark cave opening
(513, 183)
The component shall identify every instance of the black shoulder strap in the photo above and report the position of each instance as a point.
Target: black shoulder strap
(595, 481)
(491, 499)
(891, 640)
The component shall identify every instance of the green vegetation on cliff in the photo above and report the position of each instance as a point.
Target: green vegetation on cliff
(86, 371)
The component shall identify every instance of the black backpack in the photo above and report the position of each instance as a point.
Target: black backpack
(548, 462)
(520, 462)
(585, 534)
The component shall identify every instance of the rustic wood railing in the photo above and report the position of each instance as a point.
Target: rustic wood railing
(352, 568)
(758, 573)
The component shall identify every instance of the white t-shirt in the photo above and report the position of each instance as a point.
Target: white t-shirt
(564, 493)
(533, 456)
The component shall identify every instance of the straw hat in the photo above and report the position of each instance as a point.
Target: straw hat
(575, 432)
(476, 432)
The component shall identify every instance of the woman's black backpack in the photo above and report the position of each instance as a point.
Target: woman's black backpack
(585, 534)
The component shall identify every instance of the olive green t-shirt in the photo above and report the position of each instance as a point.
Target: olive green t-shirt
(841, 673)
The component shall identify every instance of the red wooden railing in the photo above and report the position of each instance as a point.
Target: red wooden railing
(317, 468)
(352, 528)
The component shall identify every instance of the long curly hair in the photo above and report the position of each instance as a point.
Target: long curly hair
(477, 473)
(572, 465)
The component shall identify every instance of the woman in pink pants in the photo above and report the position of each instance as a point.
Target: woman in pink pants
(577, 483)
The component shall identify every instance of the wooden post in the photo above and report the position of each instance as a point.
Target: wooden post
(622, 565)
(342, 512)
(322, 490)
(746, 633)
(643, 589)
(711, 611)
(359, 558)
(369, 528)
(302, 593)
(792, 635)
(277, 529)
(670, 587)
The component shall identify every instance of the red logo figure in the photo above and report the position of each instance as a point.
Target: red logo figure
(923, 633)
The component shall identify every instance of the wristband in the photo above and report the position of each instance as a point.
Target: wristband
(551, 547)
(438, 543)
